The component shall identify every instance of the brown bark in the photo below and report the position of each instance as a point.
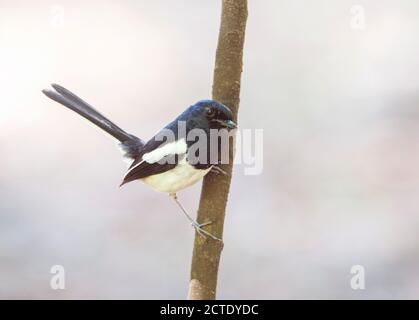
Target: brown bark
(215, 188)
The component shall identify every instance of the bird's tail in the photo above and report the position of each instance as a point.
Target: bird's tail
(130, 144)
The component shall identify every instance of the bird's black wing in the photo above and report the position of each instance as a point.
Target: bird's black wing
(145, 169)
(166, 159)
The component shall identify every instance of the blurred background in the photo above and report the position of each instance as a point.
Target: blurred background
(339, 106)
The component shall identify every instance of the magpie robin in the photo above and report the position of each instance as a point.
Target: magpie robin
(163, 164)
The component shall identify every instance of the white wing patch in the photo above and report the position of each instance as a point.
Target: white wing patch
(175, 147)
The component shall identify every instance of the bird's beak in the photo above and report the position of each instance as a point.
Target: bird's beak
(230, 124)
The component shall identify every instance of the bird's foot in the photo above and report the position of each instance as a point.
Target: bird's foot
(218, 170)
(199, 228)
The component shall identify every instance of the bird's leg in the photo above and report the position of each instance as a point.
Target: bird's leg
(218, 170)
(196, 225)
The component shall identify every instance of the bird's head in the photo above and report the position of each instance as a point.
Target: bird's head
(208, 114)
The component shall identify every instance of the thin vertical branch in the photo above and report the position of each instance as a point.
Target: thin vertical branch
(215, 188)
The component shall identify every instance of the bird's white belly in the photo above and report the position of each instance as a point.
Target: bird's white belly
(178, 178)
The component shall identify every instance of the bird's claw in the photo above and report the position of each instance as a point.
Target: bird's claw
(199, 229)
(218, 170)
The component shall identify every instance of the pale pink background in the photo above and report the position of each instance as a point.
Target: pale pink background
(340, 113)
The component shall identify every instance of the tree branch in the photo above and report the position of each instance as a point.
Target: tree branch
(215, 188)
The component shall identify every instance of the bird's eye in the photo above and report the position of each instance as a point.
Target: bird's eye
(210, 112)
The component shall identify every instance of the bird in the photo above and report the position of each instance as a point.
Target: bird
(168, 162)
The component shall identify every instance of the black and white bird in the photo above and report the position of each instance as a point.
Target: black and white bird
(163, 164)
